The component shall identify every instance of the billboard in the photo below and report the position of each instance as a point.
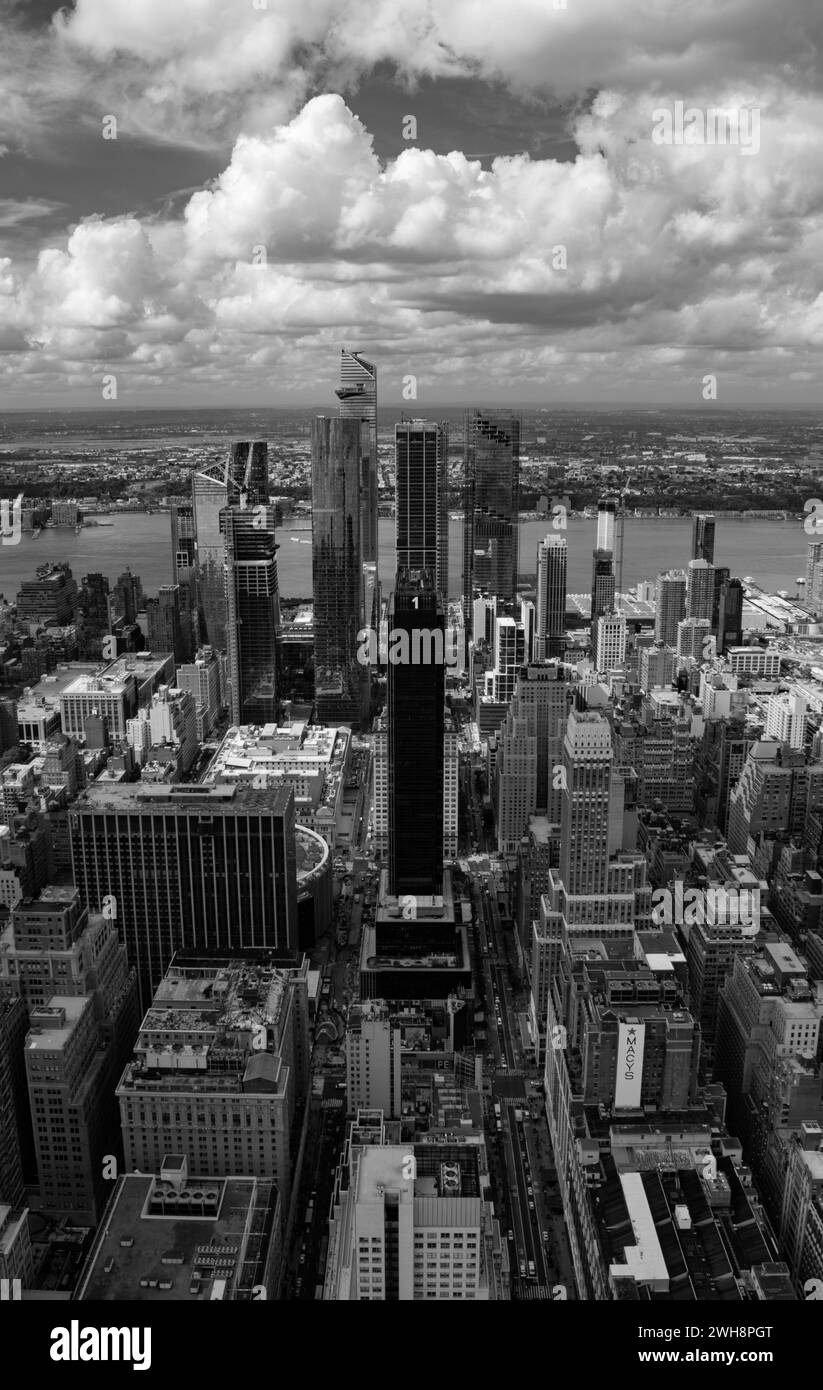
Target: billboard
(630, 1041)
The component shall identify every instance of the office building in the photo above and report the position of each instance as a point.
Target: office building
(610, 642)
(253, 612)
(451, 784)
(69, 1078)
(729, 625)
(703, 526)
(184, 573)
(404, 1231)
(602, 600)
(656, 666)
(357, 394)
(15, 1120)
(786, 719)
(373, 1052)
(515, 779)
(220, 1062)
(202, 678)
(699, 590)
(221, 1237)
(509, 655)
(421, 500)
(50, 598)
(587, 765)
(210, 496)
(203, 867)
(166, 629)
(671, 606)
(550, 624)
(491, 501)
(127, 597)
(691, 639)
(340, 680)
(16, 1259)
(416, 700)
(380, 787)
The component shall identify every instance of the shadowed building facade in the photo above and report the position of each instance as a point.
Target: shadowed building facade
(491, 501)
(337, 577)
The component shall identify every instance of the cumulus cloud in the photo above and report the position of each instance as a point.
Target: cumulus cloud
(633, 262)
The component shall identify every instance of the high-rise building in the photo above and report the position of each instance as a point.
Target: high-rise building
(491, 502)
(51, 597)
(814, 575)
(671, 606)
(603, 591)
(202, 678)
(703, 525)
(515, 781)
(421, 499)
(729, 615)
(692, 634)
(656, 666)
(509, 655)
(184, 572)
(786, 719)
(202, 867)
(127, 596)
(166, 631)
(416, 721)
(550, 629)
(373, 1053)
(94, 607)
(699, 590)
(610, 642)
(221, 1060)
(337, 569)
(253, 613)
(380, 787)
(15, 1121)
(210, 496)
(451, 783)
(419, 1230)
(357, 394)
(606, 514)
(587, 764)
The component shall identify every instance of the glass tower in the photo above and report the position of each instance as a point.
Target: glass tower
(491, 501)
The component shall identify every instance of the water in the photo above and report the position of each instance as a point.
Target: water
(774, 553)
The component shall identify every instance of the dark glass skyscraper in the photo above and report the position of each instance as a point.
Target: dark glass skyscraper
(703, 524)
(357, 394)
(421, 496)
(602, 584)
(253, 613)
(166, 632)
(209, 497)
(416, 701)
(337, 575)
(491, 504)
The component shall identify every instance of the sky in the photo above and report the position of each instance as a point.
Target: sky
(202, 200)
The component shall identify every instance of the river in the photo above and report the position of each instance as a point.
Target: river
(774, 553)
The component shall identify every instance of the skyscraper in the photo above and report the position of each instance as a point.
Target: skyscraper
(165, 626)
(602, 587)
(253, 612)
(587, 765)
(357, 394)
(491, 502)
(336, 569)
(421, 499)
(730, 615)
(610, 641)
(550, 631)
(703, 524)
(416, 700)
(184, 572)
(699, 589)
(671, 606)
(210, 495)
(202, 867)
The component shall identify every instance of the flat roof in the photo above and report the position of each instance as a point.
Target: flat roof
(117, 1269)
